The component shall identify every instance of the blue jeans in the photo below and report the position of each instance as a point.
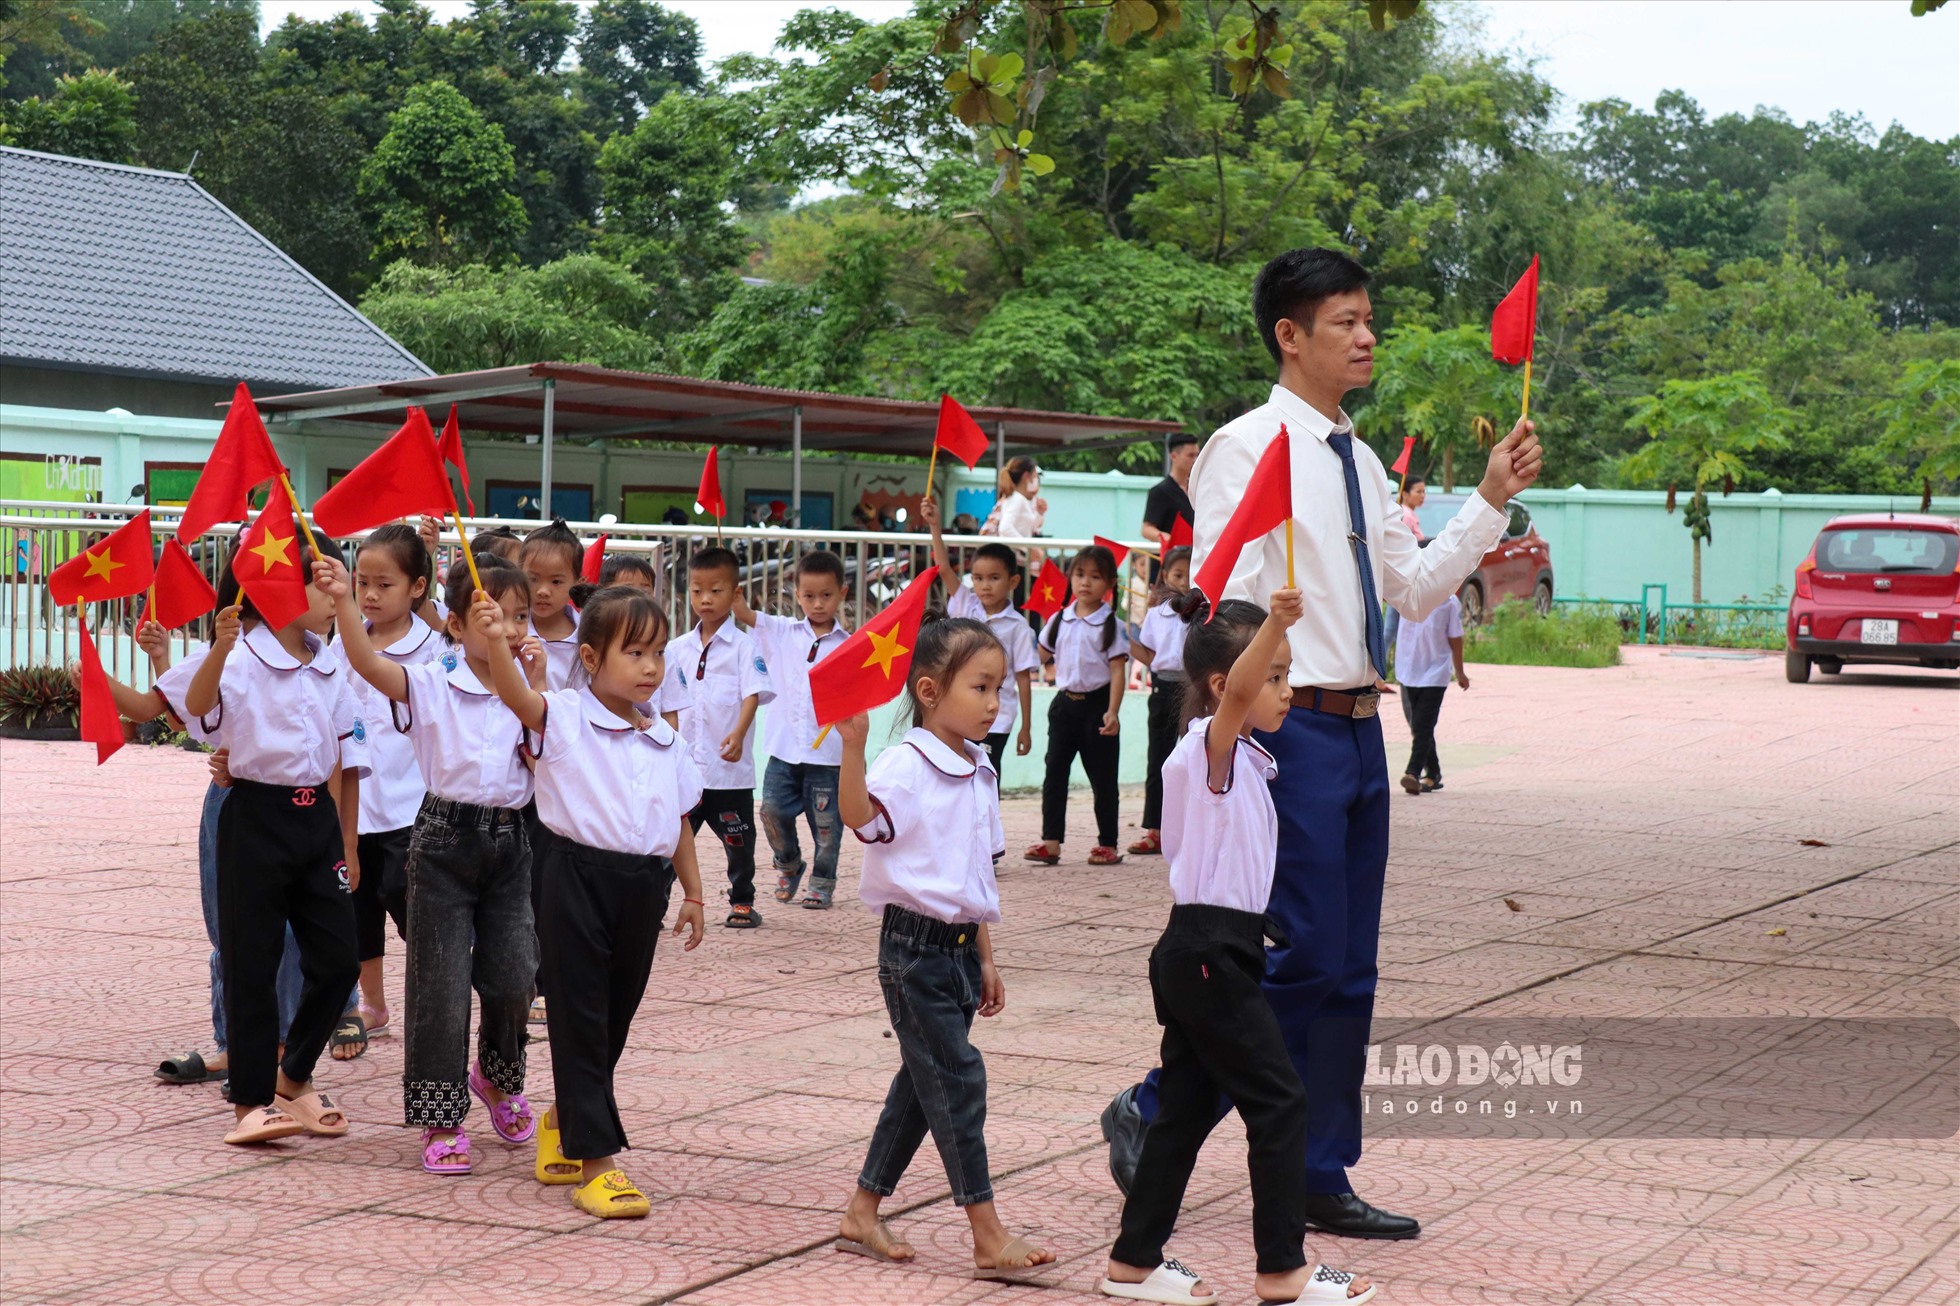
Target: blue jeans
(790, 790)
(207, 884)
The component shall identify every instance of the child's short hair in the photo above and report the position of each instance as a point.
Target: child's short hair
(821, 562)
(500, 577)
(499, 541)
(617, 565)
(715, 559)
(620, 614)
(404, 547)
(230, 591)
(1212, 646)
(555, 534)
(995, 551)
(945, 644)
(1104, 562)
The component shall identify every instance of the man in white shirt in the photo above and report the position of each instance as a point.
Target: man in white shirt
(1352, 551)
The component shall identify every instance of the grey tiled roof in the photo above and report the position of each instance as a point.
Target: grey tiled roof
(130, 270)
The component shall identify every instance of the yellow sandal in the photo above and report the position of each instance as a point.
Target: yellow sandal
(612, 1196)
(552, 1165)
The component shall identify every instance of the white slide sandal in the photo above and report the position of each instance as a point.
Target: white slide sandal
(1329, 1287)
(1170, 1284)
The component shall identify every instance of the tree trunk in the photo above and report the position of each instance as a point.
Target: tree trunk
(1449, 470)
(1697, 543)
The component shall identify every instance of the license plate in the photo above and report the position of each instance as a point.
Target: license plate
(1879, 632)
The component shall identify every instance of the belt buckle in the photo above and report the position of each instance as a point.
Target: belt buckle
(1366, 705)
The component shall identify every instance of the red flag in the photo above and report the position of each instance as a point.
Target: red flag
(101, 723)
(405, 477)
(182, 593)
(1401, 465)
(958, 434)
(869, 668)
(1268, 502)
(242, 460)
(595, 560)
(271, 564)
(1049, 591)
(1515, 323)
(115, 568)
(1180, 532)
(708, 498)
(451, 447)
(1119, 551)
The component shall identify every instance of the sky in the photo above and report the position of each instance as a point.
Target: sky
(1805, 57)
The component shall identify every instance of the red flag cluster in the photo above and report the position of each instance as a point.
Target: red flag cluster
(451, 445)
(839, 685)
(1268, 503)
(116, 567)
(1180, 533)
(595, 560)
(405, 477)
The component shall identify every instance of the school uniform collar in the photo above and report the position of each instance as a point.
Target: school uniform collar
(570, 611)
(726, 632)
(836, 628)
(265, 646)
(1096, 618)
(601, 717)
(463, 679)
(1262, 760)
(419, 632)
(1303, 416)
(941, 758)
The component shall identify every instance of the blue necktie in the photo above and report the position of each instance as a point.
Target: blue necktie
(1342, 443)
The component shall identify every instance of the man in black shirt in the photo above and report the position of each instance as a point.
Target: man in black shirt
(1170, 498)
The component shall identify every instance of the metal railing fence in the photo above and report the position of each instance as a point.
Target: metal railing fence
(1653, 619)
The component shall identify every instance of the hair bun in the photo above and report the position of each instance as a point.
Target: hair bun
(1192, 605)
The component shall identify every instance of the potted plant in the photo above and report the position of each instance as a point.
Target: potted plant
(39, 703)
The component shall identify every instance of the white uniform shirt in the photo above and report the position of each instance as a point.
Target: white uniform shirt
(932, 844)
(392, 793)
(468, 746)
(672, 696)
(788, 645)
(1019, 518)
(1330, 643)
(1011, 628)
(733, 669)
(605, 784)
(1081, 661)
(1222, 846)
(1163, 632)
(287, 722)
(1422, 648)
(172, 684)
(560, 655)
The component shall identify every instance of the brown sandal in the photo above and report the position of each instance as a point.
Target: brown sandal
(1012, 1263)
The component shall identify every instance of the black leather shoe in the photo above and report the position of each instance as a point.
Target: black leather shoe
(1122, 1128)
(1347, 1216)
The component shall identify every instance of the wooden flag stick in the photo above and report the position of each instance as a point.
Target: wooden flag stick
(932, 465)
(1289, 552)
(821, 736)
(299, 514)
(1527, 391)
(476, 581)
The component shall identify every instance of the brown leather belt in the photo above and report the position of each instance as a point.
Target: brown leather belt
(1361, 703)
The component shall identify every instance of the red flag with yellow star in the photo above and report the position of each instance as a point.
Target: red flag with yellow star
(271, 564)
(112, 568)
(1049, 592)
(869, 668)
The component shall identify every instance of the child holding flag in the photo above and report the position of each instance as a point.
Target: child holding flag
(1089, 649)
(1160, 646)
(995, 571)
(727, 680)
(929, 814)
(801, 778)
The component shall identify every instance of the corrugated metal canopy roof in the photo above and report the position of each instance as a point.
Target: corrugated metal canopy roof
(602, 403)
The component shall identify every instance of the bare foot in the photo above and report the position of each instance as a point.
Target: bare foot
(1279, 1288)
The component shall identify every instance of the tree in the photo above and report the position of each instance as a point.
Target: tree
(1436, 386)
(1922, 421)
(36, 36)
(438, 185)
(90, 116)
(1700, 430)
(631, 53)
(106, 35)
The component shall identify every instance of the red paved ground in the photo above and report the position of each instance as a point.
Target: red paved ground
(1646, 819)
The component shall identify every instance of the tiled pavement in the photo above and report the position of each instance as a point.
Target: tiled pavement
(1647, 821)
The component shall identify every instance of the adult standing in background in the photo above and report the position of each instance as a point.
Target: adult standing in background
(1019, 512)
(1169, 498)
(1331, 788)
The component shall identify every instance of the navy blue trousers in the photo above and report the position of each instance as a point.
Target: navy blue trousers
(1332, 796)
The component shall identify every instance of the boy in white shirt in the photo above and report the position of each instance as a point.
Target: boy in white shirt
(727, 680)
(1428, 655)
(994, 570)
(801, 778)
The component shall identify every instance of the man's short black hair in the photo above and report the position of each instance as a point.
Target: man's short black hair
(1178, 441)
(1295, 284)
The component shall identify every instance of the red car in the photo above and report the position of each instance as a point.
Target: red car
(1877, 587)
(1519, 567)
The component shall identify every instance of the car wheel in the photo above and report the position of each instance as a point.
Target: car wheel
(1796, 667)
(1471, 596)
(1541, 597)
(1830, 668)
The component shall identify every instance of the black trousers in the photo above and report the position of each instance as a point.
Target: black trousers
(997, 749)
(1165, 706)
(539, 836)
(279, 865)
(1421, 706)
(601, 920)
(1220, 1037)
(731, 813)
(1075, 730)
(382, 894)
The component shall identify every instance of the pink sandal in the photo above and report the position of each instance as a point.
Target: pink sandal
(445, 1155)
(511, 1118)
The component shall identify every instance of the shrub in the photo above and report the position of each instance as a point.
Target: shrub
(1568, 636)
(38, 696)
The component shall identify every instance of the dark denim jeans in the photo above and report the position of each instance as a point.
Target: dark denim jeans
(469, 916)
(792, 790)
(287, 985)
(932, 992)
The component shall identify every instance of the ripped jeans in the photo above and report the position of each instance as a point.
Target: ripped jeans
(793, 790)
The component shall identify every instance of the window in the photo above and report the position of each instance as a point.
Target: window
(1520, 522)
(519, 499)
(1892, 549)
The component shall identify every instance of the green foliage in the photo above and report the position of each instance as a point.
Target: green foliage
(631, 54)
(102, 34)
(38, 696)
(1922, 421)
(580, 309)
(438, 184)
(1434, 385)
(1570, 635)
(91, 115)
